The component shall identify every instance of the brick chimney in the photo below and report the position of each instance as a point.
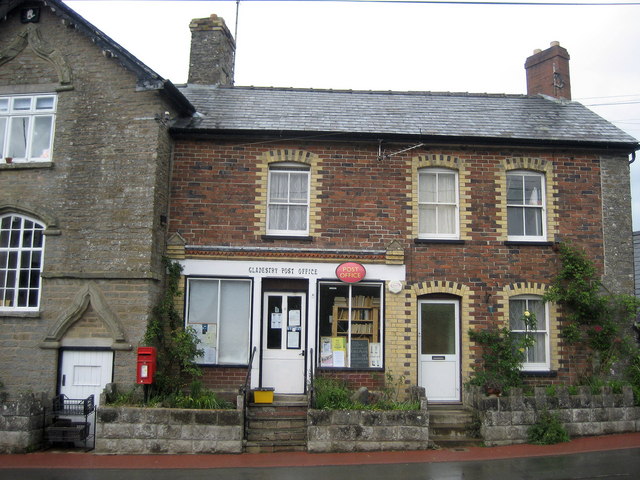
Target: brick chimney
(213, 52)
(548, 72)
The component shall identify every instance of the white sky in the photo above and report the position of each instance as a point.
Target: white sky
(397, 46)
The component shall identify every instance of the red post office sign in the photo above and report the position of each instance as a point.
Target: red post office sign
(350, 272)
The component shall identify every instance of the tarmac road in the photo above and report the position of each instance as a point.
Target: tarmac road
(614, 465)
(614, 457)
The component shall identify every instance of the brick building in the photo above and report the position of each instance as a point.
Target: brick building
(359, 234)
(84, 164)
(348, 233)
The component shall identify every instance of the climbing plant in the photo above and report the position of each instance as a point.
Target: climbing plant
(177, 347)
(594, 317)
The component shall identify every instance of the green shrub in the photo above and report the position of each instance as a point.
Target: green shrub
(547, 430)
(331, 394)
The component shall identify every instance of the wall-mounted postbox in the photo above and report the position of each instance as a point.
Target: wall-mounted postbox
(146, 367)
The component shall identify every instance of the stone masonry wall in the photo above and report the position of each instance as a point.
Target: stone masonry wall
(128, 430)
(21, 423)
(367, 431)
(102, 196)
(506, 420)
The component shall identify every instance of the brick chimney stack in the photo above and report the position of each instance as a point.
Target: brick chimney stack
(548, 72)
(213, 52)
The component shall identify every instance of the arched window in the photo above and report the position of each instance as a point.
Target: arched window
(288, 199)
(536, 356)
(21, 255)
(438, 203)
(526, 216)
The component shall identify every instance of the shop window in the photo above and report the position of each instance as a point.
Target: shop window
(526, 206)
(350, 326)
(219, 310)
(21, 252)
(536, 356)
(26, 128)
(288, 200)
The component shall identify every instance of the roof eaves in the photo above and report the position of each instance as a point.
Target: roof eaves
(147, 79)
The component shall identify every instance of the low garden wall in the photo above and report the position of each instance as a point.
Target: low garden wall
(21, 423)
(506, 420)
(130, 430)
(367, 430)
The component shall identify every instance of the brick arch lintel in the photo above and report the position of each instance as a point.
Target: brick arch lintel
(89, 294)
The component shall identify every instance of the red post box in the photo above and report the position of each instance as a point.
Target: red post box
(146, 367)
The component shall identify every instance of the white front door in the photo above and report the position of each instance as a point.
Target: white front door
(85, 372)
(440, 349)
(284, 342)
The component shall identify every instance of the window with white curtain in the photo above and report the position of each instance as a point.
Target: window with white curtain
(526, 206)
(26, 127)
(536, 356)
(219, 310)
(21, 255)
(288, 200)
(438, 203)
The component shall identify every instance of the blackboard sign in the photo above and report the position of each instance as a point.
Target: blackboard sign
(359, 353)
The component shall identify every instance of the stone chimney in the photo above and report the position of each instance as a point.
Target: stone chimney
(213, 51)
(548, 72)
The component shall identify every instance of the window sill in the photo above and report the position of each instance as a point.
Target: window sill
(25, 165)
(419, 241)
(350, 369)
(517, 243)
(271, 238)
(539, 373)
(20, 314)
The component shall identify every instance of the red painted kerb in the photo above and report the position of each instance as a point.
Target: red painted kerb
(350, 272)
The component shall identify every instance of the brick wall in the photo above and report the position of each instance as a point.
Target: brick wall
(361, 201)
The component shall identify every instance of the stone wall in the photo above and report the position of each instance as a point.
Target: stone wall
(506, 420)
(365, 431)
(21, 423)
(129, 430)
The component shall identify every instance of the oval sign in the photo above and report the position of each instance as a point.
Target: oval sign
(350, 272)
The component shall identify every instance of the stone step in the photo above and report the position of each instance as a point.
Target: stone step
(452, 426)
(285, 435)
(276, 423)
(273, 447)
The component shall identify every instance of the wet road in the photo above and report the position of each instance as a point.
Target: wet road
(614, 465)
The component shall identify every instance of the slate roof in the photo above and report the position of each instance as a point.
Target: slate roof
(493, 118)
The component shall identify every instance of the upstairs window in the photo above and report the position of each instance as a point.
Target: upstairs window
(21, 250)
(288, 200)
(26, 128)
(526, 206)
(438, 203)
(536, 356)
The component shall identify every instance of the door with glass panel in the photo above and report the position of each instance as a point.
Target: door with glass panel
(439, 344)
(284, 342)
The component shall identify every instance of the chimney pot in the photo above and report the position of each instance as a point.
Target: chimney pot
(548, 72)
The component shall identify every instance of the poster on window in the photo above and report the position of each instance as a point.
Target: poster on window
(293, 338)
(276, 320)
(375, 355)
(326, 352)
(294, 318)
